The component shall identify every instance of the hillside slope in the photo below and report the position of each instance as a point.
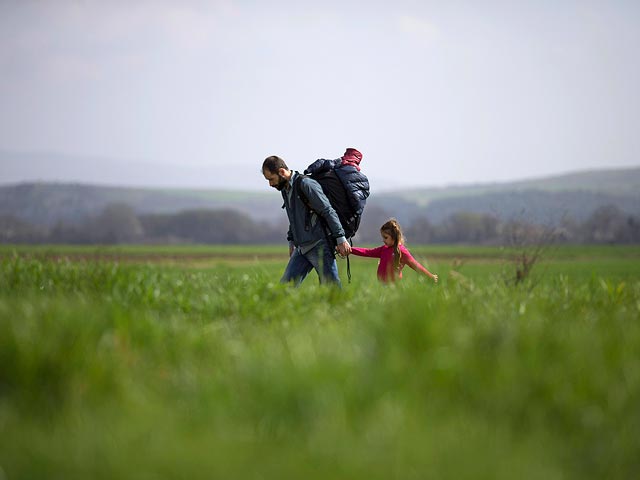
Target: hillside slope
(621, 181)
(542, 200)
(48, 203)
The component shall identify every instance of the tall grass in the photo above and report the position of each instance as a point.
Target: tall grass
(144, 371)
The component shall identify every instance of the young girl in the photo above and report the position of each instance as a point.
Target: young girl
(393, 255)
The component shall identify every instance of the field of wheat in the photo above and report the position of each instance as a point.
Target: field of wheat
(150, 362)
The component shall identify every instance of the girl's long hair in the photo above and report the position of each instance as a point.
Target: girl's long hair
(392, 228)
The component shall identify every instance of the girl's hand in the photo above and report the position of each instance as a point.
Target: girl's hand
(435, 278)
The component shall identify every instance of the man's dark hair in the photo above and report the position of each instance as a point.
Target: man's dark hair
(273, 163)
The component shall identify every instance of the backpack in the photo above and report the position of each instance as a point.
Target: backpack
(346, 187)
(347, 198)
(337, 194)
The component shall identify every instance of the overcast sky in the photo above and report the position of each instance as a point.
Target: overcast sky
(432, 93)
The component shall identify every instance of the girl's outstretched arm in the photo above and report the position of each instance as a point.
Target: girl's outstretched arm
(417, 266)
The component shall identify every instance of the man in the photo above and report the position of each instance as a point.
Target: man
(310, 245)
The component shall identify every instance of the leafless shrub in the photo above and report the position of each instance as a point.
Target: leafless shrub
(526, 244)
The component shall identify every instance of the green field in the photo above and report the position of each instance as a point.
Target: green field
(193, 362)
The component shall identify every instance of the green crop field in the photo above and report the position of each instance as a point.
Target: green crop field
(194, 362)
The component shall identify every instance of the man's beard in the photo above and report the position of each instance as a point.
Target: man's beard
(281, 183)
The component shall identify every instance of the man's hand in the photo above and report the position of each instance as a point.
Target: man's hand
(291, 248)
(344, 249)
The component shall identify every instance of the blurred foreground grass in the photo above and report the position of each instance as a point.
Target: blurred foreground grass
(150, 371)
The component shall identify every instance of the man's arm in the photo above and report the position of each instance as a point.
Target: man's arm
(321, 205)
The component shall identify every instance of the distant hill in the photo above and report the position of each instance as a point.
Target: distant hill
(542, 200)
(48, 203)
(621, 181)
(538, 206)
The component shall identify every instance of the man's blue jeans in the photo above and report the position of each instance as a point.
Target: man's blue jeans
(321, 258)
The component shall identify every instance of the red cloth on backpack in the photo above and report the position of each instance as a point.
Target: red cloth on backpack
(352, 157)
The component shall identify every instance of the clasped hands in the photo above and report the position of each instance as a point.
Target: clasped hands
(343, 249)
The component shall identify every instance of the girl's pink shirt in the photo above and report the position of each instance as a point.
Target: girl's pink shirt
(386, 272)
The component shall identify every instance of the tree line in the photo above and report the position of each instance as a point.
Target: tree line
(118, 223)
(607, 224)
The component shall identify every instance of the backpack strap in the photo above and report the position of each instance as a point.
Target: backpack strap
(297, 191)
(349, 264)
